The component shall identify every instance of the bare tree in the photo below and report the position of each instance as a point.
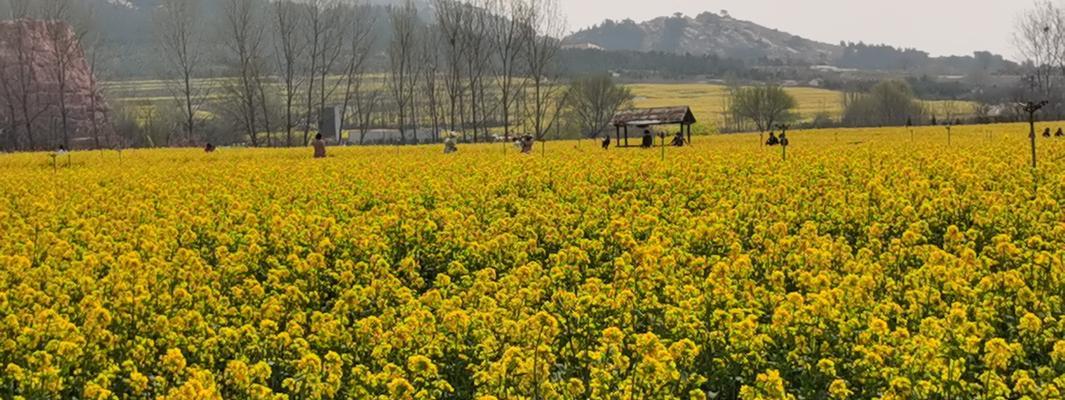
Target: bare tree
(266, 93)
(92, 45)
(360, 42)
(179, 29)
(24, 103)
(594, 100)
(317, 29)
(288, 51)
(506, 33)
(1039, 38)
(451, 17)
(401, 59)
(417, 69)
(765, 105)
(243, 41)
(477, 55)
(430, 69)
(339, 21)
(544, 30)
(64, 33)
(366, 103)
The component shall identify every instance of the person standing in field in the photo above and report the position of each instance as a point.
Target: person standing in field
(773, 141)
(527, 144)
(648, 139)
(606, 142)
(678, 140)
(450, 146)
(1059, 133)
(1046, 133)
(319, 146)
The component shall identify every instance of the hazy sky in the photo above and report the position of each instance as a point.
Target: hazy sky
(940, 27)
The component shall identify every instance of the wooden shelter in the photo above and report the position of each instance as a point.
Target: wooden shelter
(644, 118)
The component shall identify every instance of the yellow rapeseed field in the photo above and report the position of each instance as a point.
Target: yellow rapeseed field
(866, 265)
(708, 101)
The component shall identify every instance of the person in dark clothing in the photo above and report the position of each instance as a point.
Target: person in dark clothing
(209, 148)
(527, 144)
(678, 140)
(648, 139)
(449, 145)
(1059, 133)
(1046, 133)
(319, 146)
(784, 139)
(773, 141)
(606, 142)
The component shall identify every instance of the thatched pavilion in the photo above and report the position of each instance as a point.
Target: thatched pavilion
(644, 118)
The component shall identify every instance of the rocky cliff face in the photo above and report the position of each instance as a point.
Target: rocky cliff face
(48, 94)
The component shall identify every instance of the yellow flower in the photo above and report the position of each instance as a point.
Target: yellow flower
(138, 382)
(1058, 354)
(94, 391)
(838, 389)
(877, 264)
(997, 354)
(1031, 324)
(879, 326)
(399, 388)
(173, 361)
(421, 366)
(237, 373)
(827, 367)
(901, 386)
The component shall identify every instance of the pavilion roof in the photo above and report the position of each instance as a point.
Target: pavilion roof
(654, 116)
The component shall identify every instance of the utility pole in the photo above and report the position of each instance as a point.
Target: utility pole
(949, 125)
(784, 141)
(1031, 108)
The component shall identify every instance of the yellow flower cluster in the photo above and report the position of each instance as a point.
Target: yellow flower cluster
(867, 265)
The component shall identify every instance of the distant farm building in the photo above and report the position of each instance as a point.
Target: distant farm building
(582, 46)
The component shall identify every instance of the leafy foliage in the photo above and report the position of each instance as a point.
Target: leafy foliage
(764, 105)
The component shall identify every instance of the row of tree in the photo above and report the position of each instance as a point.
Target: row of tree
(765, 107)
(473, 67)
(484, 68)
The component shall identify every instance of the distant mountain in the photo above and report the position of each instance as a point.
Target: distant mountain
(706, 34)
(721, 35)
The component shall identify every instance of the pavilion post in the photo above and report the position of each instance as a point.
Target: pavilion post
(626, 135)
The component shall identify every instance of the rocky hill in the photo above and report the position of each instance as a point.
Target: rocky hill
(42, 67)
(706, 34)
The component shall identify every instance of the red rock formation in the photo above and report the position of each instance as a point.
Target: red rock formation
(42, 67)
